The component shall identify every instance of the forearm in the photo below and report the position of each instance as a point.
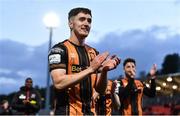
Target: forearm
(63, 81)
(36, 103)
(102, 82)
(116, 101)
(15, 105)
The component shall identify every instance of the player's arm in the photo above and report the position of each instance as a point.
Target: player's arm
(62, 80)
(15, 105)
(151, 92)
(115, 96)
(109, 64)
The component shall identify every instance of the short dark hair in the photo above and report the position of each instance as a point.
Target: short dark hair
(3, 101)
(75, 11)
(129, 60)
(28, 78)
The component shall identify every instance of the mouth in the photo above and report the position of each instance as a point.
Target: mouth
(85, 29)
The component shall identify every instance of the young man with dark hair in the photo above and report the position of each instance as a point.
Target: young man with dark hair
(128, 92)
(27, 101)
(77, 69)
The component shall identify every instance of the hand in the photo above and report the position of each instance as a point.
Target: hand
(153, 70)
(98, 60)
(110, 63)
(25, 101)
(133, 73)
(114, 86)
(95, 96)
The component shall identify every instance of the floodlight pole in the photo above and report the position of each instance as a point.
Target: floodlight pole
(48, 74)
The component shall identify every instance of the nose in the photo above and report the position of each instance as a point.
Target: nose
(86, 23)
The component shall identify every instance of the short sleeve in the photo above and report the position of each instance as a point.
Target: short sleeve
(57, 58)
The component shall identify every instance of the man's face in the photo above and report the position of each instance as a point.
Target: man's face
(130, 69)
(81, 24)
(6, 105)
(28, 83)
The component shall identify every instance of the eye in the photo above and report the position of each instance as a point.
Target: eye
(82, 18)
(89, 20)
(133, 66)
(128, 66)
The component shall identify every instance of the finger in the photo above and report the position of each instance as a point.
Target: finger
(115, 63)
(103, 56)
(106, 54)
(117, 60)
(133, 73)
(113, 56)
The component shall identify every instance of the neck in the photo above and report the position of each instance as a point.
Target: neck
(80, 41)
(127, 77)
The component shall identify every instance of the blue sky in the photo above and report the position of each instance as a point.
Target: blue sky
(21, 20)
(129, 28)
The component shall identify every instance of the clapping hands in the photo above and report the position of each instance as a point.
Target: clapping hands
(102, 63)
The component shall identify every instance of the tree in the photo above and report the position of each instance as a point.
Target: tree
(171, 64)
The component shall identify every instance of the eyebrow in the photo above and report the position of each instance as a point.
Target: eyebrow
(29, 81)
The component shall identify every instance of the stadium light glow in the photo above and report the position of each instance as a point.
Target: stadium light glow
(51, 20)
(174, 86)
(158, 88)
(164, 84)
(169, 79)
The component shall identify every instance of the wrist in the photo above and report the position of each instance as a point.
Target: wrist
(102, 69)
(90, 69)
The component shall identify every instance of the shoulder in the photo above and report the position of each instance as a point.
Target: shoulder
(35, 91)
(91, 48)
(57, 52)
(57, 48)
(22, 88)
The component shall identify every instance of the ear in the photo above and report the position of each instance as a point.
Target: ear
(70, 24)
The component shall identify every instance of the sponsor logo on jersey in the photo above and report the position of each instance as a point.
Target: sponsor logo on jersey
(76, 68)
(22, 96)
(56, 50)
(54, 58)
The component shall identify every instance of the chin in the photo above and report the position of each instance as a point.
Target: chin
(84, 35)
